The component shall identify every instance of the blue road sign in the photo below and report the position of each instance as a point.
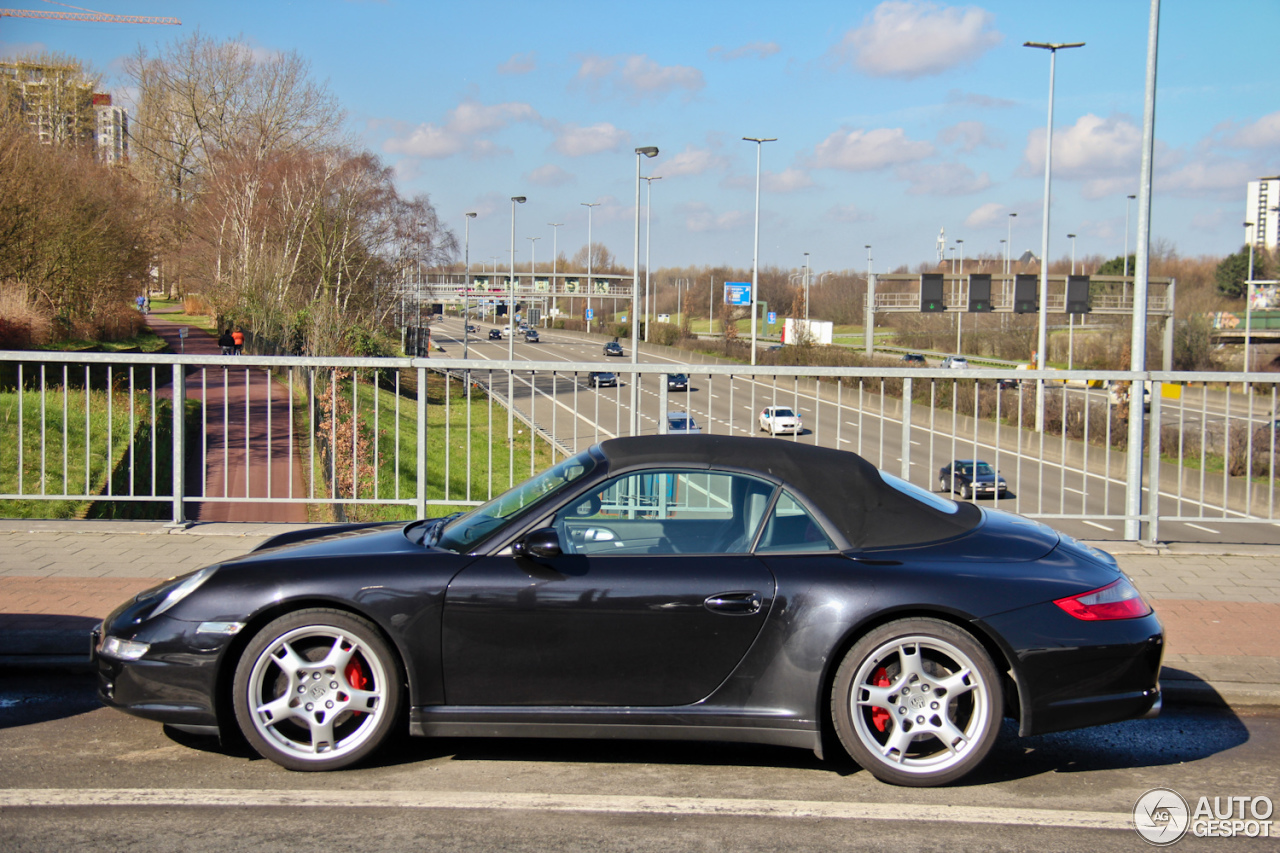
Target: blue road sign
(773, 318)
(591, 313)
(737, 293)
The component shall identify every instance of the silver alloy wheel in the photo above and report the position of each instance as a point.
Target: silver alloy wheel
(318, 695)
(919, 705)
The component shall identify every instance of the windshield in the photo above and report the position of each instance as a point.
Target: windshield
(463, 533)
(783, 413)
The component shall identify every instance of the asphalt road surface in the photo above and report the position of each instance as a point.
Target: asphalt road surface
(579, 415)
(75, 776)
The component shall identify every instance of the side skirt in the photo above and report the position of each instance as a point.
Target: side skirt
(682, 723)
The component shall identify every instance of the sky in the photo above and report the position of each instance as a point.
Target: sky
(895, 121)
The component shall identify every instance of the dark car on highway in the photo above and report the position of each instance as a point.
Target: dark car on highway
(972, 478)
(677, 382)
(601, 378)
(613, 348)
(686, 587)
(531, 336)
(495, 334)
(913, 358)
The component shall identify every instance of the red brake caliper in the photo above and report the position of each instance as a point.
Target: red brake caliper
(879, 716)
(357, 678)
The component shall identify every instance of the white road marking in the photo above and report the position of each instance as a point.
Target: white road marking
(1100, 526)
(1205, 529)
(1069, 489)
(115, 798)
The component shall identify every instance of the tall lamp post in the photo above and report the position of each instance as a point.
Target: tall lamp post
(1071, 318)
(466, 289)
(511, 348)
(806, 292)
(1043, 331)
(960, 314)
(650, 151)
(1127, 199)
(1008, 249)
(555, 257)
(533, 265)
(1248, 300)
(648, 233)
(590, 254)
(755, 253)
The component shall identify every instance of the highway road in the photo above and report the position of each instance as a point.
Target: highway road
(1082, 504)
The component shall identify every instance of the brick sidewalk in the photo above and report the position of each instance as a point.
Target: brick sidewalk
(1221, 611)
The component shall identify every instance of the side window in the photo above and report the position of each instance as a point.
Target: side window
(790, 528)
(667, 512)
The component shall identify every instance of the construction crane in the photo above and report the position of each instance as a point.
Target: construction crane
(86, 15)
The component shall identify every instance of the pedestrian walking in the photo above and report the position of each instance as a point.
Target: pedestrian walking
(237, 338)
(227, 342)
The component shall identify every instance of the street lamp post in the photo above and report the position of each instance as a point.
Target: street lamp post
(1008, 249)
(511, 283)
(755, 253)
(466, 289)
(1248, 300)
(590, 254)
(555, 258)
(1043, 331)
(1071, 318)
(806, 292)
(646, 151)
(868, 315)
(1127, 199)
(648, 234)
(959, 285)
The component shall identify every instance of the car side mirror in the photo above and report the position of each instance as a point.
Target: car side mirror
(543, 543)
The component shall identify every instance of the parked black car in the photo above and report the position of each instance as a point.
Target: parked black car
(653, 587)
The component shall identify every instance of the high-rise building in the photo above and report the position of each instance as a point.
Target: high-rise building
(56, 100)
(1260, 208)
(112, 130)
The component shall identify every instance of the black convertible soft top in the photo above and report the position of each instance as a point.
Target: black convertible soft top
(846, 488)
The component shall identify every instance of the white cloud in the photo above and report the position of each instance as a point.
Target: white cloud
(786, 181)
(1203, 177)
(970, 135)
(576, 141)
(908, 39)
(549, 175)
(973, 99)
(866, 150)
(848, 213)
(700, 219)
(1263, 133)
(466, 122)
(1091, 148)
(755, 50)
(693, 161)
(943, 179)
(987, 215)
(637, 76)
(519, 63)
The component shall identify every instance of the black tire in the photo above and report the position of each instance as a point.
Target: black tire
(317, 689)
(942, 485)
(966, 491)
(908, 689)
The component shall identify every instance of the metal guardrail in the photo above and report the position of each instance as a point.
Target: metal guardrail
(363, 434)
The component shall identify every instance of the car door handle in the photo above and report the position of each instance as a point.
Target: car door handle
(735, 603)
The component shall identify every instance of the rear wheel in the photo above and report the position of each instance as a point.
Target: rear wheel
(317, 689)
(917, 702)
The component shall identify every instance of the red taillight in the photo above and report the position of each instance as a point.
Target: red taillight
(1115, 601)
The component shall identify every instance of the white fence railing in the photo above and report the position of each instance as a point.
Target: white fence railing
(380, 438)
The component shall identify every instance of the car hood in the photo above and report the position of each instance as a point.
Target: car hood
(336, 540)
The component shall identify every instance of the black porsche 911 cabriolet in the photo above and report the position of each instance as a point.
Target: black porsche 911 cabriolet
(678, 587)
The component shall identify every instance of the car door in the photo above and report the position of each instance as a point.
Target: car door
(654, 601)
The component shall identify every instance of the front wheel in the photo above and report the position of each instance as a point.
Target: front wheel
(917, 702)
(317, 689)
